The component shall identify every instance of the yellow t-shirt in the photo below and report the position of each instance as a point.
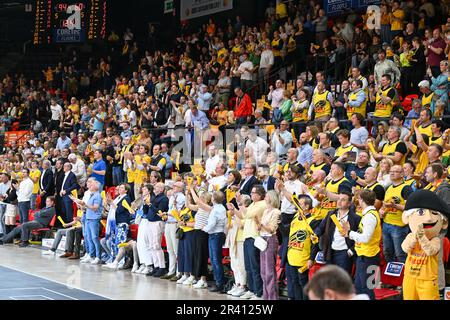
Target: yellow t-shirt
(397, 20)
(75, 108)
(420, 266)
(35, 174)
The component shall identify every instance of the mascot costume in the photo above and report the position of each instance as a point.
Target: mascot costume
(426, 214)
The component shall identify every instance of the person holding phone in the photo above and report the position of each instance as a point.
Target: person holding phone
(346, 152)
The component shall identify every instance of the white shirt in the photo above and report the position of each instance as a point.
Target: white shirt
(338, 242)
(258, 149)
(211, 164)
(276, 96)
(292, 186)
(4, 187)
(220, 181)
(181, 200)
(281, 149)
(188, 117)
(369, 223)
(266, 59)
(246, 75)
(79, 169)
(56, 112)
(25, 190)
(123, 113)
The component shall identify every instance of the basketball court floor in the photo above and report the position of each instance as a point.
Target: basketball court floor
(26, 274)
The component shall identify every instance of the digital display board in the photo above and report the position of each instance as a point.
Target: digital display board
(69, 21)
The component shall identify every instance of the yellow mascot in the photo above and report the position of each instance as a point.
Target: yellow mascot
(426, 214)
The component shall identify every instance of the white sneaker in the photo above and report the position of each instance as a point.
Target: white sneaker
(232, 290)
(49, 253)
(85, 257)
(189, 281)
(247, 295)
(121, 264)
(200, 285)
(182, 279)
(147, 270)
(141, 268)
(239, 291)
(135, 268)
(96, 261)
(112, 266)
(255, 297)
(87, 260)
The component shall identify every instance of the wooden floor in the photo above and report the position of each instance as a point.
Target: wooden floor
(21, 266)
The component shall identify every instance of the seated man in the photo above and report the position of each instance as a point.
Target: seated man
(73, 232)
(41, 220)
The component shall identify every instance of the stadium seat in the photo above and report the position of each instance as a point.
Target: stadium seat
(407, 102)
(387, 293)
(43, 232)
(134, 231)
(446, 253)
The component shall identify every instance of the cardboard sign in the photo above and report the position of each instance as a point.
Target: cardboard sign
(394, 269)
(20, 137)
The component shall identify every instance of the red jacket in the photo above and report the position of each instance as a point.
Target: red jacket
(244, 107)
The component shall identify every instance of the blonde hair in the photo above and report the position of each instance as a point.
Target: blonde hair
(274, 198)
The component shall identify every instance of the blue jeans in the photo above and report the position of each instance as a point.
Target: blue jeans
(393, 237)
(24, 208)
(341, 259)
(33, 201)
(117, 175)
(362, 274)
(85, 236)
(216, 241)
(296, 282)
(252, 266)
(92, 231)
(106, 246)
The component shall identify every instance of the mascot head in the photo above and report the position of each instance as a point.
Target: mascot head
(425, 208)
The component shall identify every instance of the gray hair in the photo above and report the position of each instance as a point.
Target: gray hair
(396, 128)
(72, 156)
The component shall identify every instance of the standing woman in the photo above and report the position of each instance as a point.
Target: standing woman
(418, 62)
(268, 230)
(11, 207)
(200, 247)
(235, 75)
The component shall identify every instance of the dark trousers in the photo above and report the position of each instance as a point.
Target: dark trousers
(24, 208)
(201, 252)
(341, 259)
(363, 272)
(24, 230)
(185, 253)
(296, 281)
(216, 241)
(252, 267)
(284, 228)
(67, 209)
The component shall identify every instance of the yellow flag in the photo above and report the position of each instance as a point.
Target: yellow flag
(61, 220)
(177, 161)
(104, 196)
(103, 223)
(337, 223)
(75, 193)
(127, 206)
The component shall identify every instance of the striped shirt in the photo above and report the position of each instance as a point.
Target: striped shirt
(201, 219)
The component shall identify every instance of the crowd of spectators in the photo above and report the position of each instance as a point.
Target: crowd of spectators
(316, 107)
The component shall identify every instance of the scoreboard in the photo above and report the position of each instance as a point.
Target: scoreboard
(69, 21)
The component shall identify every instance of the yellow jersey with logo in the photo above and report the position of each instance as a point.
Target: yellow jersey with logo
(372, 247)
(186, 216)
(333, 186)
(319, 212)
(394, 195)
(313, 168)
(361, 109)
(426, 100)
(140, 174)
(372, 187)
(420, 266)
(322, 107)
(276, 43)
(33, 175)
(343, 149)
(426, 130)
(437, 140)
(299, 244)
(389, 150)
(383, 110)
(299, 114)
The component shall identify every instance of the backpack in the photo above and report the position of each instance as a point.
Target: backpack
(277, 116)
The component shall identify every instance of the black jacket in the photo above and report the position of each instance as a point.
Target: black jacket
(270, 183)
(246, 187)
(59, 177)
(70, 184)
(325, 232)
(48, 183)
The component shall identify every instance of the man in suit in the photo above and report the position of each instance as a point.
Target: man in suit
(267, 181)
(336, 248)
(46, 182)
(42, 219)
(250, 179)
(69, 184)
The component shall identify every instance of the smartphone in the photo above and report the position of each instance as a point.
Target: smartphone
(351, 156)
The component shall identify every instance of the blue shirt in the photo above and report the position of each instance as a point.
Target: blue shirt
(91, 214)
(98, 125)
(99, 166)
(63, 144)
(217, 220)
(412, 114)
(305, 154)
(200, 120)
